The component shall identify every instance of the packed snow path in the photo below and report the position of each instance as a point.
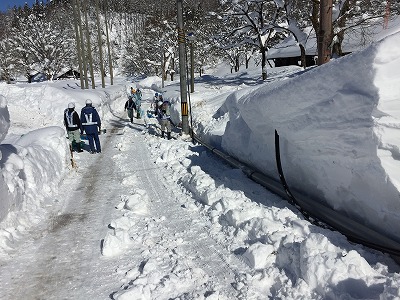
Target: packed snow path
(62, 259)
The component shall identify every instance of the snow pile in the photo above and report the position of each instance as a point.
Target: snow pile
(327, 119)
(25, 183)
(4, 125)
(4, 118)
(123, 229)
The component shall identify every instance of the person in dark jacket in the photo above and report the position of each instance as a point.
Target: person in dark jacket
(130, 105)
(73, 126)
(164, 117)
(91, 124)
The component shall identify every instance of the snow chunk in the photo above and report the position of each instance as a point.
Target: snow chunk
(259, 256)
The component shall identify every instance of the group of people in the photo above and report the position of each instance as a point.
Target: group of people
(88, 122)
(134, 103)
(160, 106)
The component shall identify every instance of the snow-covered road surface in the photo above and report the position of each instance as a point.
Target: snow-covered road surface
(62, 259)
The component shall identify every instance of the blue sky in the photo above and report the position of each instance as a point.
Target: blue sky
(5, 4)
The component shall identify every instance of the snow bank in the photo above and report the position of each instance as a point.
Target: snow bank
(32, 163)
(48, 100)
(25, 182)
(4, 118)
(331, 121)
(289, 257)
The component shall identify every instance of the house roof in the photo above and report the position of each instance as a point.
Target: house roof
(65, 70)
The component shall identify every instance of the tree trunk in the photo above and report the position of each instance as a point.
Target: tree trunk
(337, 46)
(325, 32)
(100, 44)
(84, 60)
(89, 47)
(109, 48)
(263, 63)
(78, 43)
(237, 63)
(303, 56)
(315, 16)
(341, 23)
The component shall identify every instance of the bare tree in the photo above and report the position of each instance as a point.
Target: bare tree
(40, 36)
(256, 25)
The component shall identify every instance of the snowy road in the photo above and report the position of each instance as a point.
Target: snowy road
(64, 261)
(62, 258)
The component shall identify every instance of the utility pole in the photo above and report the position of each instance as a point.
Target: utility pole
(182, 69)
(325, 32)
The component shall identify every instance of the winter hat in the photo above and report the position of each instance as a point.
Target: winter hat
(71, 105)
(88, 102)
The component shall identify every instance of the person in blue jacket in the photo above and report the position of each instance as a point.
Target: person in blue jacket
(91, 124)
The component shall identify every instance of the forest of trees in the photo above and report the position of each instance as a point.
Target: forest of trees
(132, 37)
